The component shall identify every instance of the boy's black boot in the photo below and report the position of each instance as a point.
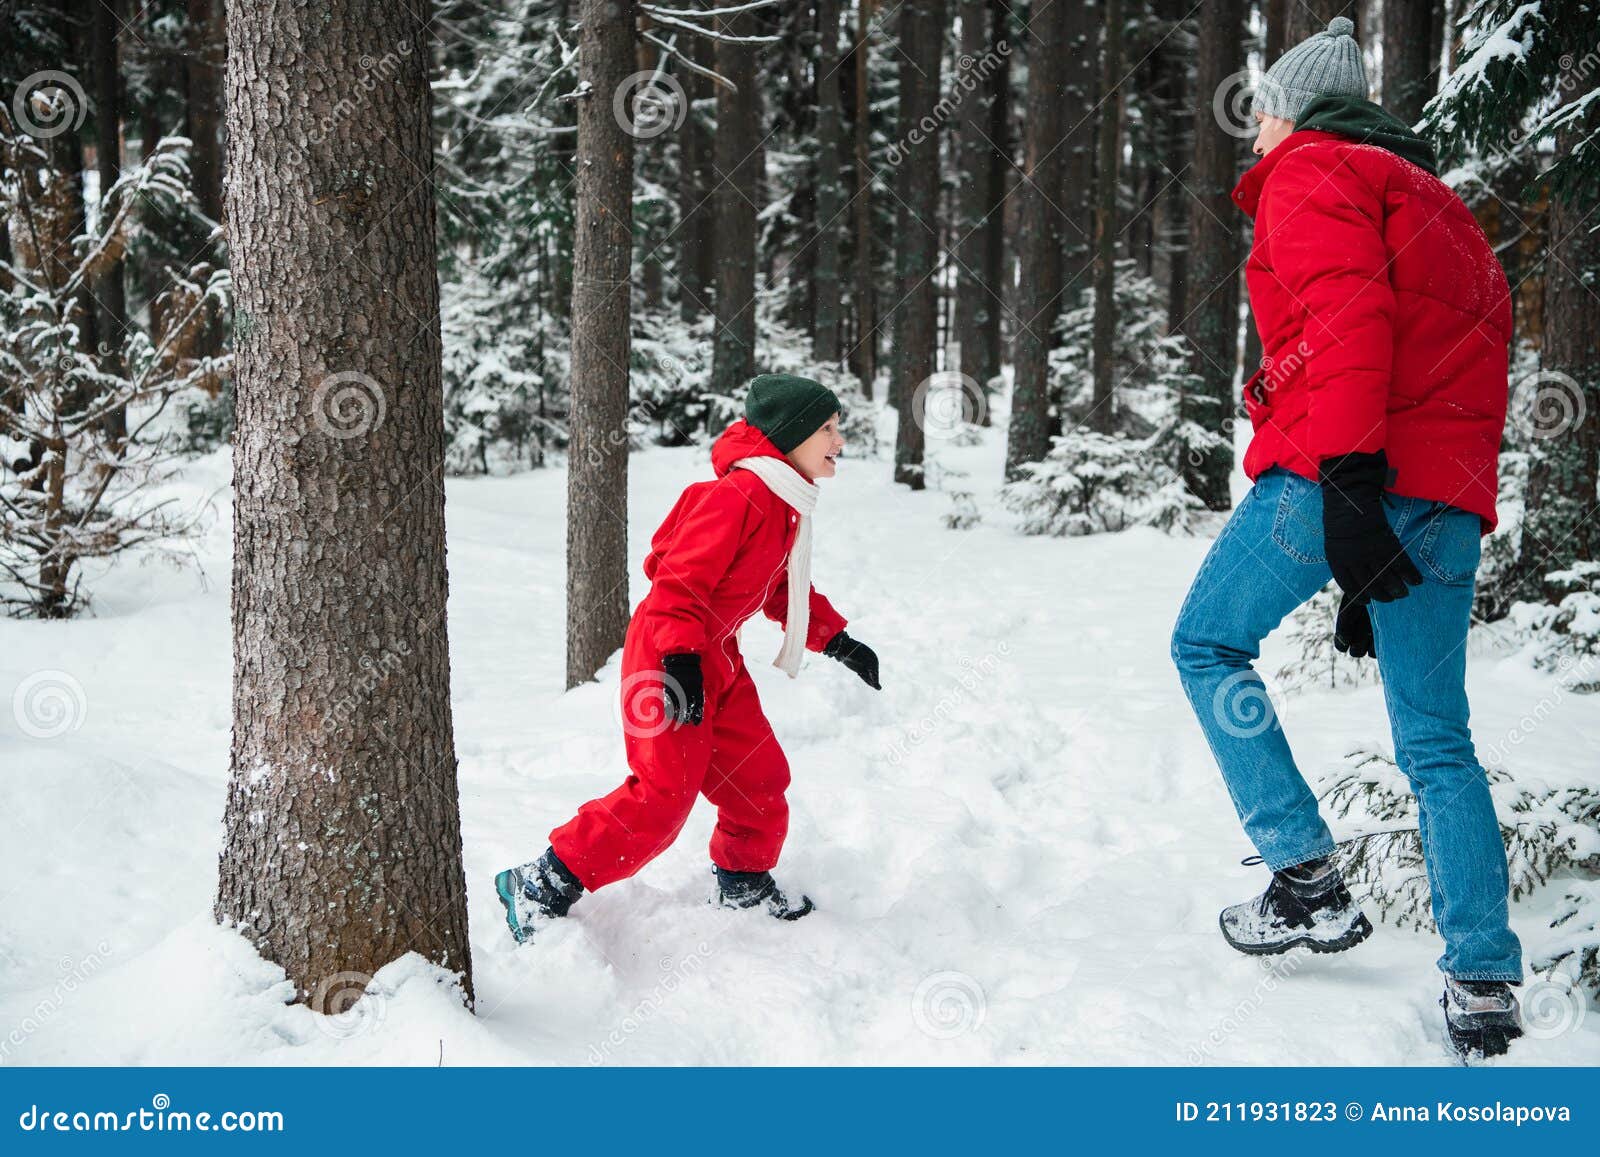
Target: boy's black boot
(753, 889)
(546, 887)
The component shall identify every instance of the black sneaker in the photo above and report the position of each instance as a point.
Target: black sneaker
(1481, 1016)
(752, 889)
(1304, 906)
(546, 887)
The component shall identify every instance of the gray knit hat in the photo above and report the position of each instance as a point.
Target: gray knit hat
(1326, 64)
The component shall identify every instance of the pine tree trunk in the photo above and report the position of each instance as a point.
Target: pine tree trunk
(1177, 147)
(866, 350)
(977, 217)
(694, 200)
(1275, 18)
(1039, 248)
(110, 292)
(1216, 228)
(735, 175)
(916, 320)
(830, 195)
(202, 110)
(1103, 413)
(1560, 527)
(342, 842)
(1001, 169)
(1306, 17)
(597, 459)
(1410, 75)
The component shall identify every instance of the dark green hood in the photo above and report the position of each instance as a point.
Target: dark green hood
(1361, 120)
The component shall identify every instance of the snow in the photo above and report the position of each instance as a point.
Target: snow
(1018, 848)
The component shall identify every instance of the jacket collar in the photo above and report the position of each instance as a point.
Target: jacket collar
(1247, 193)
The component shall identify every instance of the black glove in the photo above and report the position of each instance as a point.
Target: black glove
(1352, 629)
(859, 657)
(684, 688)
(1365, 557)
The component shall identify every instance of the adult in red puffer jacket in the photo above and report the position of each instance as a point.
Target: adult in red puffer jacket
(1398, 343)
(692, 721)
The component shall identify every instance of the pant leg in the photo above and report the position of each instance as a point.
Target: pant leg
(614, 836)
(1421, 643)
(746, 780)
(1267, 561)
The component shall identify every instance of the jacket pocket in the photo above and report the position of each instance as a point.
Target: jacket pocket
(1297, 524)
(1451, 544)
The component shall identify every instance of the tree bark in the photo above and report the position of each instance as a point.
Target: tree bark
(830, 195)
(597, 470)
(977, 217)
(342, 842)
(202, 106)
(1275, 15)
(694, 200)
(1103, 412)
(916, 320)
(866, 351)
(1410, 75)
(1211, 309)
(110, 290)
(1042, 229)
(736, 173)
(1306, 17)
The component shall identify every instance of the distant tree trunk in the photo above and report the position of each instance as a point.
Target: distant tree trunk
(1275, 15)
(597, 471)
(1176, 137)
(1001, 166)
(1211, 310)
(1039, 248)
(1410, 74)
(977, 216)
(735, 176)
(830, 195)
(867, 332)
(110, 291)
(916, 321)
(1564, 471)
(1103, 412)
(202, 106)
(1306, 17)
(695, 239)
(342, 841)
(1080, 89)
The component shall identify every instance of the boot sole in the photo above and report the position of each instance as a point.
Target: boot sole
(1488, 1040)
(502, 888)
(1359, 931)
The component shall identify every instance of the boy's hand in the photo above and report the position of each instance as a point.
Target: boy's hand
(684, 688)
(859, 657)
(1352, 629)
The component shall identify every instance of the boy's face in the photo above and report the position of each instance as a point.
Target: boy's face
(1273, 132)
(818, 456)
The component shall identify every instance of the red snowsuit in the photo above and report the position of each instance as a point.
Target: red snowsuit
(719, 558)
(1384, 320)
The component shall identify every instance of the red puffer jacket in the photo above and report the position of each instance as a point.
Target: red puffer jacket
(1385, 320)
(720, 556)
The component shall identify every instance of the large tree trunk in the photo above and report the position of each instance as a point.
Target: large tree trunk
(1103, 412)
(1303, 18)
(736, 172)
(597, 471)
(830, 195)
(342, 843)
(1040, 244)
(916, 180)
(1564, 471)
(1410, 74)
(1211, 310)
(866, 351)
(977, 217)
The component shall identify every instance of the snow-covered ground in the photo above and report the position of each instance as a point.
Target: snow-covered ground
(1018, 848)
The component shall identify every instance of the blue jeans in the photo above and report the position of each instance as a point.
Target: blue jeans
(1267, 561)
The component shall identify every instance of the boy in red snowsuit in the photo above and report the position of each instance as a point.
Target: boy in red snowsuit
(729, 548)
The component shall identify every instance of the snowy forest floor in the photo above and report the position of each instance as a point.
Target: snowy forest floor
(1018, 849)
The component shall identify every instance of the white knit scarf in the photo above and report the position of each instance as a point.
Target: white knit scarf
(790, 485)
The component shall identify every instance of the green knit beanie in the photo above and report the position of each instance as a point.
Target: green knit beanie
(788, 409)
(1327, 63)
